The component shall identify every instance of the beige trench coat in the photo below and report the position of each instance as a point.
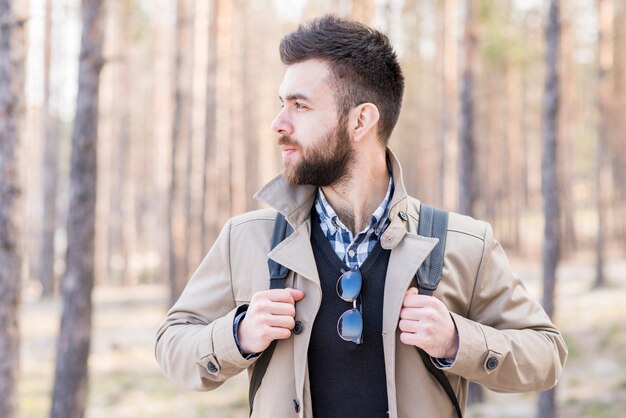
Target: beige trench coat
(507, 342)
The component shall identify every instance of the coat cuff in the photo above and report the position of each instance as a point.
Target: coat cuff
(218, 350)
(481, 349)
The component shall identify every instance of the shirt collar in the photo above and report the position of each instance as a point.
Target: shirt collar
(328, 216)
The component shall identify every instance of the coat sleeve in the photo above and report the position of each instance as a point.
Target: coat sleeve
(507, 342)
(195, 345)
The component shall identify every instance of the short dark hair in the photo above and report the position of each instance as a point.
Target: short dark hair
(362, 62)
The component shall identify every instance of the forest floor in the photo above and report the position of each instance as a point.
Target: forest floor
(125, 381)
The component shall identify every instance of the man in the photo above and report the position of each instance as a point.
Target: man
(342, 192)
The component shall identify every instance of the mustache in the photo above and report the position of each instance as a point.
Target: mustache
(287, 140)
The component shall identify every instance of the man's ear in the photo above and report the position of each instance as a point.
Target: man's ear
(363, 121)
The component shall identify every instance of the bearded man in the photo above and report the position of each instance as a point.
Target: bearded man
(341, 190)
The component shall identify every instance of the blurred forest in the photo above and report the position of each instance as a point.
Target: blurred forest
(131, 130)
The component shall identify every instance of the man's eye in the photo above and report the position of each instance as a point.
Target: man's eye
(299, 105)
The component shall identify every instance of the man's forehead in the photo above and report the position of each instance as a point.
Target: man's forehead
(305, 80)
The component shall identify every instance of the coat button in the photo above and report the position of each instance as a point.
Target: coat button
(211, 367)
(297, 329)
(403, 216)
(492, 363)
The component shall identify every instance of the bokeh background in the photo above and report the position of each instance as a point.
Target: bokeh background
(180, 140)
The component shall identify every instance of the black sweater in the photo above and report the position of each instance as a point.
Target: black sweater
(347, 380)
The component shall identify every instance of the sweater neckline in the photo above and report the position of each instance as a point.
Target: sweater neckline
(330, 254)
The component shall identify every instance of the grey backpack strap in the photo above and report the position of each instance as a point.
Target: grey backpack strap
(278, 278)
(278, 272)
(434, 223)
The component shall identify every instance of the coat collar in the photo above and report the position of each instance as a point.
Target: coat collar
(295, 202)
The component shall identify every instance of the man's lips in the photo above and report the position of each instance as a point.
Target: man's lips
(288, 150)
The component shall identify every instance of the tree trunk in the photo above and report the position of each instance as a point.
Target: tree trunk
(238, 98)
(250, 53)
(71, 377)
(209, 183)
(466, 153)
(12, 57)
(549, 183)
(181, 142)
(603, 177)
(445, 76)
(467, 158)
(618, 151)
(567, 124)
(50, 170)
(223, 143)
(123, 158)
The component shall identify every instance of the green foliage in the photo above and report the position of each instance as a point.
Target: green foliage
(572, 347)
(599, 410)
(610, 337)
(501, 41)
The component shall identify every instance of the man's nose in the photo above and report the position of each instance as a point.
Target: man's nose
(281, 124)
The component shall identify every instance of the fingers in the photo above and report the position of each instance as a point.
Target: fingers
(410, 338)
(296, 294)
(419, 301)
(278, 321)
(427, 312)
(425, 322)
(270, 316)
(277, 295)
(272, 308)
(412, 291)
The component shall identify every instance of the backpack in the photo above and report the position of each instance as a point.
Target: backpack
(432, 223)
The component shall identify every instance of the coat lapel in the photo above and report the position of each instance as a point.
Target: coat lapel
(296, 254)
(404, 261)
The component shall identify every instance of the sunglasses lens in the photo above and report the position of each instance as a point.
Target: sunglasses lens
(350, 326)
(349, 285)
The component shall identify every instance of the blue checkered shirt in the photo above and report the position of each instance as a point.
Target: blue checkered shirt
(353, 250)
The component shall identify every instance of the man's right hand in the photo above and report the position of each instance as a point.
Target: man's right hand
(270, 316)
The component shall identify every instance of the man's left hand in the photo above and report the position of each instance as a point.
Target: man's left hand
(426, 323)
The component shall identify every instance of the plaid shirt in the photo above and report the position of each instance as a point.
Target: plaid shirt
(353, 250)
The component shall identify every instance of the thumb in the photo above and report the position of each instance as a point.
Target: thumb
(412, 291)
(297, 294)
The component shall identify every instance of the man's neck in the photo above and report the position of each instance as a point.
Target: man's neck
(356, 197)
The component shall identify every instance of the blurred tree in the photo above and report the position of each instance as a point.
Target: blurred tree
(603, 101)
(567, 129)
(120, 220)
(179, 204)
(248, 54)
(71, 376)
(223, 163)
(363, 10)
(549, 182)
(467, 141)
(12, 59)
(467, 146)
(209, 227)
(446, 54)
(618, 142)
(239, 113)
(50, 168)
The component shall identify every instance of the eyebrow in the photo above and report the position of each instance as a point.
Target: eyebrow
(295, 96)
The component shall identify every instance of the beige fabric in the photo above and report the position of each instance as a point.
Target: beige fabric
(495, 315)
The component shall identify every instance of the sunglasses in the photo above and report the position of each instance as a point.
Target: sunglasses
(350, 324)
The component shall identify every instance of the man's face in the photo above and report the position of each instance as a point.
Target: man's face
(315, 145)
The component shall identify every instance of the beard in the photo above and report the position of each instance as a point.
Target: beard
(323, 163)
